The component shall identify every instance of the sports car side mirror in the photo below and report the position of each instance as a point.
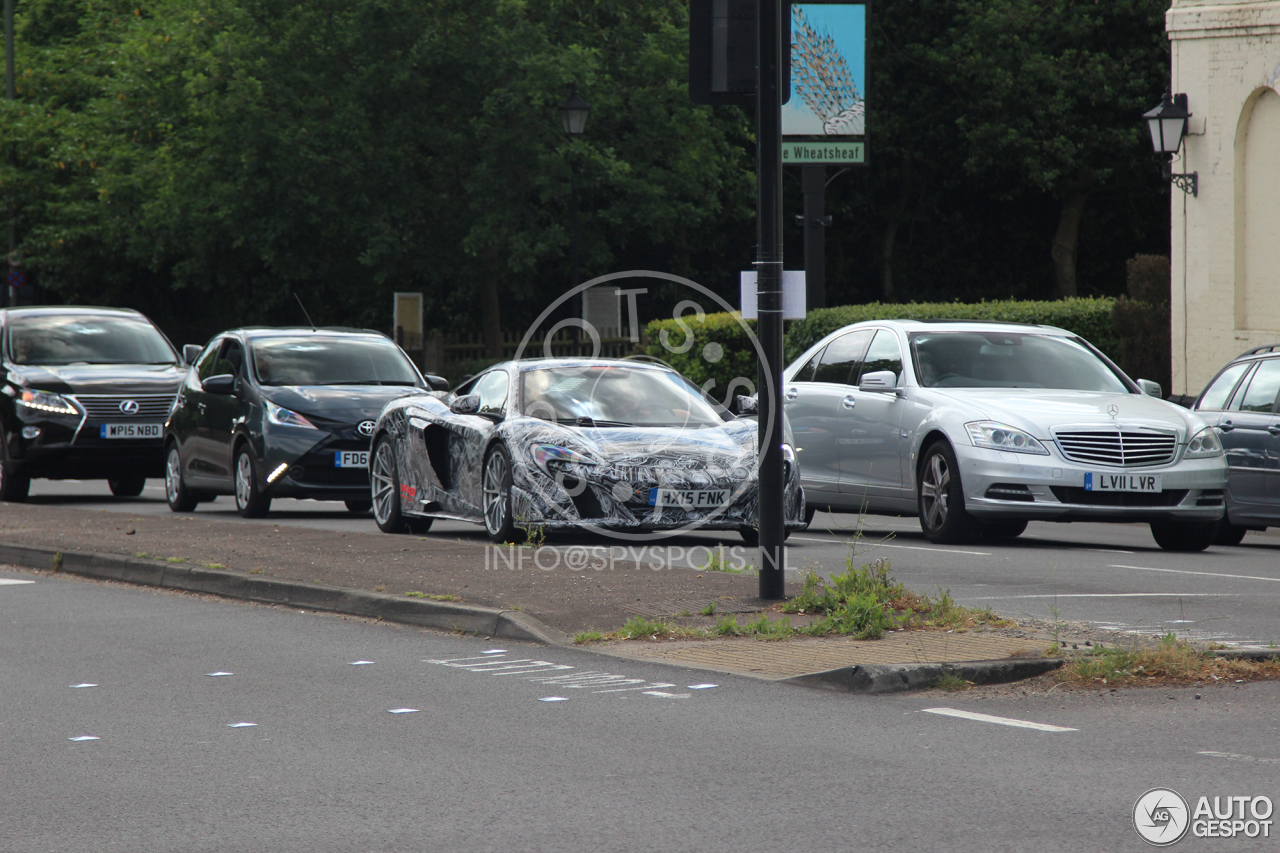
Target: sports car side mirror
(223, 383)
(436, 383)
(1151, 389)
(190, 352)
(466, 405)
(746, 405)
(883, 381)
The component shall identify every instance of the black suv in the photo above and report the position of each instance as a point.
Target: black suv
(85, 395)
(1243, 402)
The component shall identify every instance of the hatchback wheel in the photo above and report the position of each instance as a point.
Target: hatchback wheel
(498, 521)
(940, 497)
(250, 500)
(1184, 536)
(175, 490)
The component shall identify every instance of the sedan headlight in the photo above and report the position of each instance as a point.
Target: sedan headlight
(287, 417)
(1204, 445)
(43, 401)
(549, 456)
(997, 436)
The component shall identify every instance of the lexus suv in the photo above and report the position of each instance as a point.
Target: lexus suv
(85, 395)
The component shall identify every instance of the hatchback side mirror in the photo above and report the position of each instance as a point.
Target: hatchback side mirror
(223, 383)
(190, 352)
(883, 381)
(468, 404)
(1151, 389)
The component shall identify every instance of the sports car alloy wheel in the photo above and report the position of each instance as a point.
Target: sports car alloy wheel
(175, 491)
(250, 501)
(497, 496)
(940, 497)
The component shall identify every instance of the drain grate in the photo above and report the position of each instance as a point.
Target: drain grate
(693, 606)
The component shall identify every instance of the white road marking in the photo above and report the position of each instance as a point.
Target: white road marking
(702, 686)
(84, 737)
(905, 547)
(76, 686)
(1107, 595)
(241, 725)
(666, 695)
(402, 711)
(361, 662)
(1003, 721)
(12, 582)
(219, 674)
(1232, 756)
(1205, 574)
(541, 671)
(553, 699)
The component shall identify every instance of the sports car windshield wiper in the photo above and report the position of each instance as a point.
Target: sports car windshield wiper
(583, 420)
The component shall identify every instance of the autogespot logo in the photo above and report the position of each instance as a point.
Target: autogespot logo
(1161, 816)
(637, 459)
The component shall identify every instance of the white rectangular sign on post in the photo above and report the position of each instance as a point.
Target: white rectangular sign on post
(793, 295)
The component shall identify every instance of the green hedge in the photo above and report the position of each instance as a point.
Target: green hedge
(735, 355)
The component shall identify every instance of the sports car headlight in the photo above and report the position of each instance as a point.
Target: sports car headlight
(1204, 445)
(43, 401)
(997, 436)
(287, 417)
(549, 456)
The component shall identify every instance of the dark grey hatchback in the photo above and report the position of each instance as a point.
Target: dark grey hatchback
(1243, 403)
(272, 412)
(85, 392)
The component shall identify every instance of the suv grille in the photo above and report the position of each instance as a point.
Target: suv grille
(106, 407)
(1118, 447)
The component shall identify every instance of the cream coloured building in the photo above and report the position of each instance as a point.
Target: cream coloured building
(1226, 241)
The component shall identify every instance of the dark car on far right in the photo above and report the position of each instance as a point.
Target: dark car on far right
(1243, 403)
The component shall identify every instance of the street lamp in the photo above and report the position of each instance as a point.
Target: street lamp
(1168, 125)
(573, 115)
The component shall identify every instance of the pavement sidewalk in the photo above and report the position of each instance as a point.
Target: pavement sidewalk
(463, 583)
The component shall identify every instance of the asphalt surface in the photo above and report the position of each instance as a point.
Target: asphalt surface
(636, 756)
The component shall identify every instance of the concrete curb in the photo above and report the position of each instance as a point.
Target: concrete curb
(424, 613)
(897, 678)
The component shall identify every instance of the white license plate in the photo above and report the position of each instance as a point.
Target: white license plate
(688, 498)
(130, 430)
(351, 459)
(1103, 482)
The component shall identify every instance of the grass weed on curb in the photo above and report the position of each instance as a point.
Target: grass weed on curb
(1171, 661)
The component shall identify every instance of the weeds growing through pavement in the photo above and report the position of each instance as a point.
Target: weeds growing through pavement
(951, 682)
(1170, 661)
(588, 637)
(433, 595)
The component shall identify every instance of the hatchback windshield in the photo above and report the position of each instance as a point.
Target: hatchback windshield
(313, 360)
(1009, 360)
(615, 395)
(87, 339)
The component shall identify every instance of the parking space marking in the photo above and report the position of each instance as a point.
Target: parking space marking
(836, 541)
(12, 582)
(557, 675)
(1233, 756)
(1107, 595)
(1205, 574)
(1003, 721)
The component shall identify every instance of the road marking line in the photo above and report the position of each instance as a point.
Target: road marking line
(402, 711)
(78, 686)
(84, 737)
(1232, 756)
(664, 694)
(1107, 595)
(1004, 721)
(905, 547)
(1206, 574)
(11, 582)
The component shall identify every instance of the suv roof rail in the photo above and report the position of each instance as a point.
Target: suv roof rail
(1261, 349)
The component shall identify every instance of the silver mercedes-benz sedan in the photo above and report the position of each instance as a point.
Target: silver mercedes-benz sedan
(978, 428)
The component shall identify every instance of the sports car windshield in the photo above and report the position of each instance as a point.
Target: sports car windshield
(313, 360)
(615, 396)
(1009, 360)
(60, 339)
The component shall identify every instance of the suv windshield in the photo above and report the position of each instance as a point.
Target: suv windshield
(1010, 360)
(59, 339)
(615, 395)
(314, 360)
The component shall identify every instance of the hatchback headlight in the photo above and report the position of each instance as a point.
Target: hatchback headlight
(997, 436)
(1204, 445)
(43, 401)
(287, 417)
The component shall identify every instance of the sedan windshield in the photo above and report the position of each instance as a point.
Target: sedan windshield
(313, 360)
(60, 339)
(1010, 360)
(615, 395)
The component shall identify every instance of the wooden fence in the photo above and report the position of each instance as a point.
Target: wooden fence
(448, 355)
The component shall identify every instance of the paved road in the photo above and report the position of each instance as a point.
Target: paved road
(1111, 575)
(636, 757)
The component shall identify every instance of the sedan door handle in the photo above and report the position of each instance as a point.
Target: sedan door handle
(849, 401)
(792, 392)
(1274, 429)
(1226, 426)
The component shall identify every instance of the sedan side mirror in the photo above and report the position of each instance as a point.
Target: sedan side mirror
(190, 352)
(465, 405)
(746, 405)
(883, 381)
(223, 383)
(1151, 389)
(436, 383)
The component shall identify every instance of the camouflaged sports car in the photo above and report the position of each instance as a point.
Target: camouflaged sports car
(607, 445)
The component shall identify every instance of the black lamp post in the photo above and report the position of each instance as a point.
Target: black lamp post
(10, 93)
(1168, 125)
(573, 114)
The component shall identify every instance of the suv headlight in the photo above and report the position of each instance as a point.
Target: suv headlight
(43, 401)
(287, 417)
(1204, 445)
(997, 436)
